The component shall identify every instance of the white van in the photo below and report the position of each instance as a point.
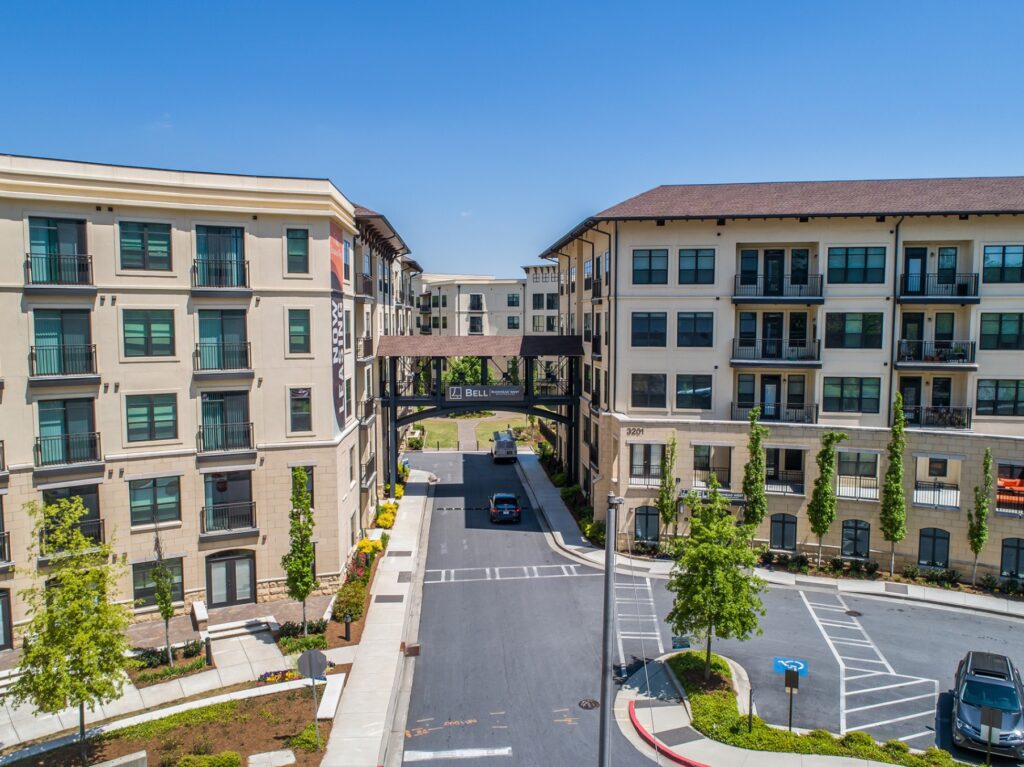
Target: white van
(503, 446)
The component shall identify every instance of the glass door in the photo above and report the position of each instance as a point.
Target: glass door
(231, 579)
(910, 388)
(914, 260)
(774, 272)
(771, 334)
(912, 337)
(771, 389)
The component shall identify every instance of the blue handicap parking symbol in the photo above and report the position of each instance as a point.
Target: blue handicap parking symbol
(781, 665)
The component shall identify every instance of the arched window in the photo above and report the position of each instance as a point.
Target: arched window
(933, 549)
(856, 538)
(1013, 558)
(783, 534)
(647, 523)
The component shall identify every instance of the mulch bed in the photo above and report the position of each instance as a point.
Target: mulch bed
(335, 633)
(696, 678)
(134, 673)
(254, 726)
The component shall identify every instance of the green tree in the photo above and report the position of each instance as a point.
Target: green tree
(756, 505)
(298, 562)
(716, 592)
(893, 515)
(163, 584)
(462, 370)
(977, 518)
(512, 371)
(75, 645)
(821, 511)
(668, 509)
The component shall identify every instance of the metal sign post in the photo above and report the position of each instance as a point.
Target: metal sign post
(991, 721)
(312, 665)
(792, 684)
(604, 755)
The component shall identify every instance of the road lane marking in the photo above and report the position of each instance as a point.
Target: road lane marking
(456, 753)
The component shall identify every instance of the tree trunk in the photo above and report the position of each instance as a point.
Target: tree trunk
(974, 570)
(819, 553)
(707, 658)
(167, 642)
(304, 633)
(892, 558)
(81, 733)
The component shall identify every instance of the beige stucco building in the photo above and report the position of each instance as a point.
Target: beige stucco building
(178, 342)
(816, 302)
(541, 299)
(470, 305)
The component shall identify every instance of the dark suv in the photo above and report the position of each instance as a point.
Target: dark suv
(986, 679)
(505, 508)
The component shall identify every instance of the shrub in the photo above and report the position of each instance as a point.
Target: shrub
(414, 443)
(1009, 585)
(202, 745)
(386, 519)
(836, 564)
(911, 572)
(170, 672)
(951, 577)
(569, 493)
(292, 645)
(799, 563)
(193, 647)
(399, 491)
(294, 628)
(369, 547)
(305, 740)
(385, 539)
(558, 479)
(223, 759)
(766, 557)
(988, 582)
(151, 657)
(856, 566)
(783, 560)
(871, 567)
(349, 601)
(594, 532)
(585, 513)
(358, 568)
(403, 473)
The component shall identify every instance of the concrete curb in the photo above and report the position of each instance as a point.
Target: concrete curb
(656, 744)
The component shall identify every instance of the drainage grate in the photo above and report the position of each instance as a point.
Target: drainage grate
(854, 613)
(588, 704)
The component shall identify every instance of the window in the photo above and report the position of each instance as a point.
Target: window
(1000, 397)
(152, 417)
(145, 246)
(938, 467)
(587, 378)
(693, 392)
(90, 495)
(745, 389)
(148, 333)
(783, 532)
(298, 251)
(799, 262)
(856, 538)
(300, 409)
(588, 325)
(513, 323)
(946, 274)
(444, 301)
(856, 265)
(853, 330)
(944, 323)
(298, 331)
(645, 461)
(650, 267)
(154, 500)
(6, 633)
(309, 484)
(476, 302)
(513, 299)
(435, 301)
(551, 324)
(351, 465)
(933, 548)
(538, 301)
(346, 258)
(551, 302)
(697, 266)
(647, 522)
(649, 328)
(694, 329)
(648, 390)
(942, 392)
(1012, 563)
(435, 322)
(538, 324)
(444, 322)
(854, 464)
(476, 325)
(1002, 331)
(1003, 263)
(795, 389)
(144, 588)
(852, 395)
(588, 274)
(748, 267)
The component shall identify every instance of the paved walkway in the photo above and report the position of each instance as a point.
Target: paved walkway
(364, 719)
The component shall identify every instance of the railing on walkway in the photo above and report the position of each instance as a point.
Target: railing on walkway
(780, 349)
(220, 273)
(702, 477)
(929, 417)
(777, 412)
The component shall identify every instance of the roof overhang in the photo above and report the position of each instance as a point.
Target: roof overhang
(382, 228)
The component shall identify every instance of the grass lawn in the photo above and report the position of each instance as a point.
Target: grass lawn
(441, 430)
(485, 430)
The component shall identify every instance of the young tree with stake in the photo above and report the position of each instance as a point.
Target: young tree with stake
(821, 511)
(668, 509)
(756, 500)
(977, 518)
(163, 586)
(298, 562)
(893, 514)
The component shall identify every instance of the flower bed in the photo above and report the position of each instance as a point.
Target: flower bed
(149, 666)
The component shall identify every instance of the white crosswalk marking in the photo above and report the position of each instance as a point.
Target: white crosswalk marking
(507, 573)
(637, 623)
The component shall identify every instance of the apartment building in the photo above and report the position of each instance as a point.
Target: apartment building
(179, 341)
(470, 305)
(541, 299)
(815, 302)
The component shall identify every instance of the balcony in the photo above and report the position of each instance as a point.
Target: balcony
(937, 495)
(595, 456)
(219, 277)
(92, 529)
(5, 551)
(67, 450)
(645, 476)
(595, 346)
(364, 348)
(940, 288)
(777, 412)
(775, 352)
(781, 289)
(702, 477)
(596, 289)
(1009, 498)
(929, 417)
(368, 472)
(63, 365)
(785, 483)
(3, 460)
(59, 274)
(222, 359)
(228, 520)
(927, 355)
(363, 286)
(367, 410)
(551, 387)
(225, 438)
(857, 488)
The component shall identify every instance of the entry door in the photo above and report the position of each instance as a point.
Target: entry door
(231, 580)
(771, 394)
(914, 260)
(774, 272)
(910, 388)
(771, 334)
(912, 337)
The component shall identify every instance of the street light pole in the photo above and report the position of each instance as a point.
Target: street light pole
(604, 757)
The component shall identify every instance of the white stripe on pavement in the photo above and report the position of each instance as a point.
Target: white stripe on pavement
(886, 686)
(456, 753)
(890, 702)
(929, 712)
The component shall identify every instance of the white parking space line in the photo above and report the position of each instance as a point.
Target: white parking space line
(929, 712)
(883, 687)
(928, 733)
(504, 573)
(888, 703)
(455, 753)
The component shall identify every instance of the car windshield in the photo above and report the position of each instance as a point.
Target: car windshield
(504, 502)
(977, 693)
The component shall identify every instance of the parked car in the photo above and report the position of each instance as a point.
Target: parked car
(985, 679)
(505, 508)
(503, 446)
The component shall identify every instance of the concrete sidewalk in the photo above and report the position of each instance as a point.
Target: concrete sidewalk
(363, 722)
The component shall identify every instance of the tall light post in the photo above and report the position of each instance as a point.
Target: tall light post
(604, 757)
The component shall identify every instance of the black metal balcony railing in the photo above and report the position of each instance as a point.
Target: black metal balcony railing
(595, 455)
(785, 482)
(63, 360)
(61, 449)
(222, 356)
(936, 352)
(937, 495)
(596, 289)
(364, 285)
(1010, 501)
(220, 273)
(364, 347)
(781, 349)
(645, 475)
(5, 546)
(368, 471)
(929, 417)
(595, 346)
(3, 457)
(781, 286)
(702, 476)
(862, 488)
(225, 517)
(92, 529)
(367, 409)
(777, 412)
(47, 269)
(225, 436)
(940, 285)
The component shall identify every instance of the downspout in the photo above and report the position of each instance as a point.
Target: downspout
(895, 296)
(614, 268)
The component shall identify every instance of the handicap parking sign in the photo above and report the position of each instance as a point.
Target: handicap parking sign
(781, 665)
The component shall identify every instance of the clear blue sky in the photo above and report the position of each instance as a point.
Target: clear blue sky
(486, 129)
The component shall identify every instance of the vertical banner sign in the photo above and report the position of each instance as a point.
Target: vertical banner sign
(338, 324)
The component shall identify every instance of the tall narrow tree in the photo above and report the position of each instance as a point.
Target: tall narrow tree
(75, 646)
(977, 518)
(893, 514)
(163, 592)
(668, 507)
(298, 562)
(756, 500)
(821, 511)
